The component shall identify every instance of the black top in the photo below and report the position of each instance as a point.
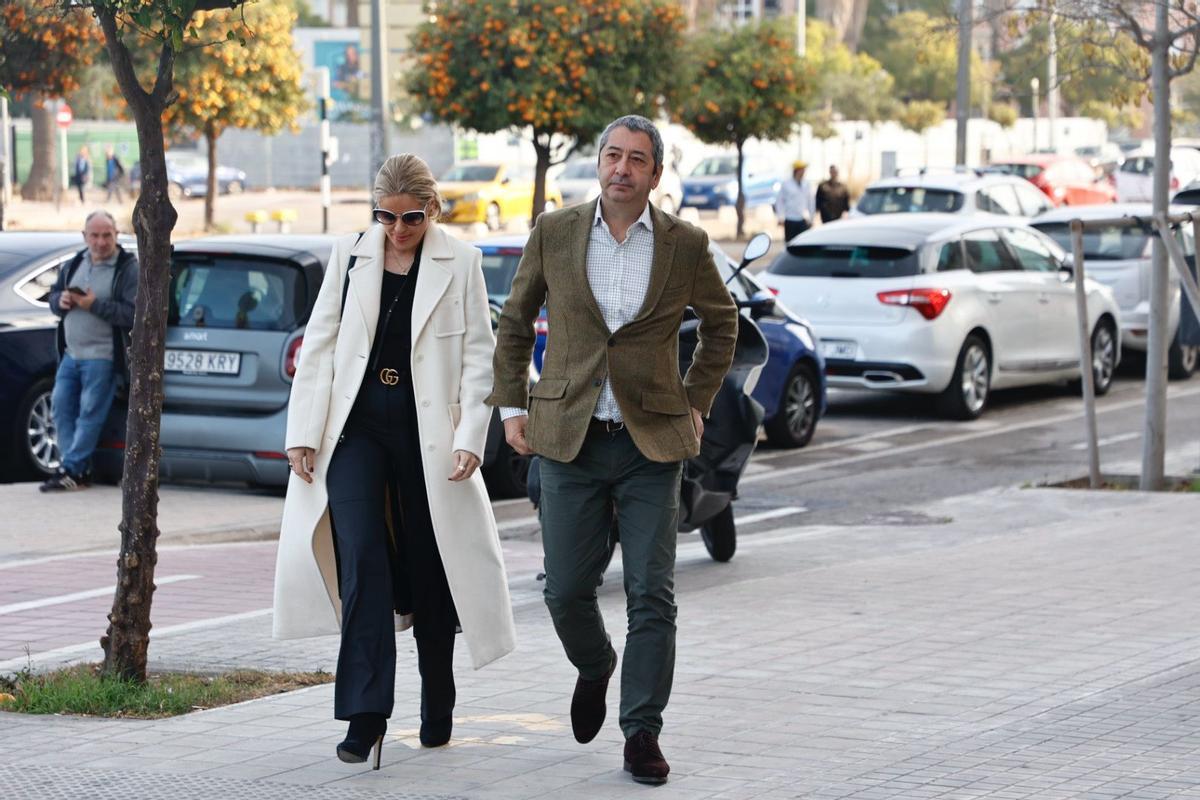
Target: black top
(393, 333)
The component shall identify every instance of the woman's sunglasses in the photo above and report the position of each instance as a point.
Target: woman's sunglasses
(410, 218)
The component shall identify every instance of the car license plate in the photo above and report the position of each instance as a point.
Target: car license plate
(694, 198)
(203, 362)
(835, 348)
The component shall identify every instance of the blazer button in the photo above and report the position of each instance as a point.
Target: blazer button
(612, 342)
(597, 382)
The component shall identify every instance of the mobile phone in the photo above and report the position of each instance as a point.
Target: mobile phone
(76, 290)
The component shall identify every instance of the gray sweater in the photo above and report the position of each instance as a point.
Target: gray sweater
(88, 335)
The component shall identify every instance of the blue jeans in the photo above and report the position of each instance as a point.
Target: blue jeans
(83, 394)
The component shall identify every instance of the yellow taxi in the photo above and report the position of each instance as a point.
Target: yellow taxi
(491, 192)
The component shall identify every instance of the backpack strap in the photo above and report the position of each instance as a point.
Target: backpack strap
(346, 282)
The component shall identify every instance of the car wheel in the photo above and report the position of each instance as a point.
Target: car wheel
(796, 418)
(34, 432)
(492, 218)
(508, 476)
(175, 191)
(234, 187)
(969, 389)
(1104, 360)
(1181, 360)
(720, 535)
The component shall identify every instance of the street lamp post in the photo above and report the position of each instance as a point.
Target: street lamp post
(1033, 84)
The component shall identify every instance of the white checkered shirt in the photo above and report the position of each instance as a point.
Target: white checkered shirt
(619, 274)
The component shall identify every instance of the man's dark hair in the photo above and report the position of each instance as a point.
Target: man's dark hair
(638, 124)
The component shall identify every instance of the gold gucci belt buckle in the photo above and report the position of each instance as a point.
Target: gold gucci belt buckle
(389, 376)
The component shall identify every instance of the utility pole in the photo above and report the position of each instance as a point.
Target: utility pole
(323, 101)
(1052, 81)
(1033, 85)
(963, 100)
(801, 28)
(1154, 436)
(380, 117)
(6, 165)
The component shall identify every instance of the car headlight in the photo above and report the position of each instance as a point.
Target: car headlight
(803, 334)
(469, 198)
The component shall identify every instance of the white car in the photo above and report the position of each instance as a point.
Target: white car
(1120, 258)
(1135, 176)
(961, 192)
(579, 183)
(943, 304)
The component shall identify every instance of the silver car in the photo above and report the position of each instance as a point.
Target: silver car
(1119, 257)
(952, 192)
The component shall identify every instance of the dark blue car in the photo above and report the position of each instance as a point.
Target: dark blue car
(713, 183)
(791, 387)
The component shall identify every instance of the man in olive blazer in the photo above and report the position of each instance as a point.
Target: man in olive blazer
(613, 419)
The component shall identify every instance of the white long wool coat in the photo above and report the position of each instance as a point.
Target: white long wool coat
(452, 374)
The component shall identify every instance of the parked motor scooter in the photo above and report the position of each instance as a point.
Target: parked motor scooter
(709, 483)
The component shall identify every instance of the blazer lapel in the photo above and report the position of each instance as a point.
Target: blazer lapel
(366, 279)
(660, 266)
(433, 278)
(581, 235)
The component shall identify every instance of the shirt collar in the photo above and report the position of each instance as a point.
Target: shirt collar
(644, 218)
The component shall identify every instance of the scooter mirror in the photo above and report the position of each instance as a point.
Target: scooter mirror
(756, 247)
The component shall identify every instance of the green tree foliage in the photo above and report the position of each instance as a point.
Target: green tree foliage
(846, 84)
(562, 70)
(919, 116)
(1102, 72)
(256, 85)
(746, 83)
(921, 53)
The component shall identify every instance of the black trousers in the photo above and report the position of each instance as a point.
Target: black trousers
(376, 473)
(793, 228)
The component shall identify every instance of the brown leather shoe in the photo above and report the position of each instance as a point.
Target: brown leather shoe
(588, 705)
(644, 760)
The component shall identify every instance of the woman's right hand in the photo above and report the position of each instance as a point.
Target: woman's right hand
(301, 460)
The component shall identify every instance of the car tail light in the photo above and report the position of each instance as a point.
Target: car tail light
(293, 357)
(270, 454)
(929, 302)
(112, 444)
(1174, 183)
(541, 326)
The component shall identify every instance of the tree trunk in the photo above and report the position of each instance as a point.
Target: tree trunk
(43, 179)
(210, 195)
(1155, 432)
(352, 13)
(126, 643)
(539, 176)
(741, 194)
(846, 17)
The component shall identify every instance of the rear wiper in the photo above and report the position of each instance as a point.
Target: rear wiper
(845, 275)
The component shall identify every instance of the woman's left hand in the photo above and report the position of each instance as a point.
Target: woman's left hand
(465, 465)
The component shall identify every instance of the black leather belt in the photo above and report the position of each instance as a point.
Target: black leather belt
(607, 426)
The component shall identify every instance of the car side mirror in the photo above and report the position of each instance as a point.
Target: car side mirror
(1066, 270)
(756, 248)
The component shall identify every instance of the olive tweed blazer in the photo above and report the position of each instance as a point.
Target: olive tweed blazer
(641, 359)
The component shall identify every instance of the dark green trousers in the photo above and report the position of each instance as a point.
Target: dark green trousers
(579, 500)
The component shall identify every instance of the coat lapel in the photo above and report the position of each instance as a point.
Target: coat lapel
(366, 278)
(433, 278)
(581, 234)
(660, 267)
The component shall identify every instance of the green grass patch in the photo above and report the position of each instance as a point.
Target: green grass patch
(81, 690)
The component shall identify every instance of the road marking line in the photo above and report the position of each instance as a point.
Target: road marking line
(76, 649)
(774, 513)
(758, 456)
(1121, 437)
(13, 608)
(965, 437)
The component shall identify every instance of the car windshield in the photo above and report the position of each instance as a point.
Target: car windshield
(464, 173)
(236, 293)
(1100, 244)
(579, 170)
(715, 165)
(909, 199)
(1026, 171)
(499, 267)
(846, 261)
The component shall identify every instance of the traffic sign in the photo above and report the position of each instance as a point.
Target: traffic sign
(64, 116)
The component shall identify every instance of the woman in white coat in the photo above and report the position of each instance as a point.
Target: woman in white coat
(387, 523)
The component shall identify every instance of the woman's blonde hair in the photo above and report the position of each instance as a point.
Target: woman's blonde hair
(408, 174)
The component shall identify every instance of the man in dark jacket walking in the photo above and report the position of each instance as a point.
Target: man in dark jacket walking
(833, 198)
(94, 299)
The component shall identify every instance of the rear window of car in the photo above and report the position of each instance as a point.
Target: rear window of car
(232, 293)
(720, 165)
(1026, 171)
(846, 261)
(499, 267)
(909, 199)
(1100, 244)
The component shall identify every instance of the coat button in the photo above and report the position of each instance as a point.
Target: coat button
(420, 359)
(431, 447)
(425, 403)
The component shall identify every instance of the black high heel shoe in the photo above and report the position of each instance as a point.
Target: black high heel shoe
(365, 733)
(435, 660)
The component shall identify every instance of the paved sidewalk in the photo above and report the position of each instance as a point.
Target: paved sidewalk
(1031, 644)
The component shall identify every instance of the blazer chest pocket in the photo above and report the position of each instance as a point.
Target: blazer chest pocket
(449, 318)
